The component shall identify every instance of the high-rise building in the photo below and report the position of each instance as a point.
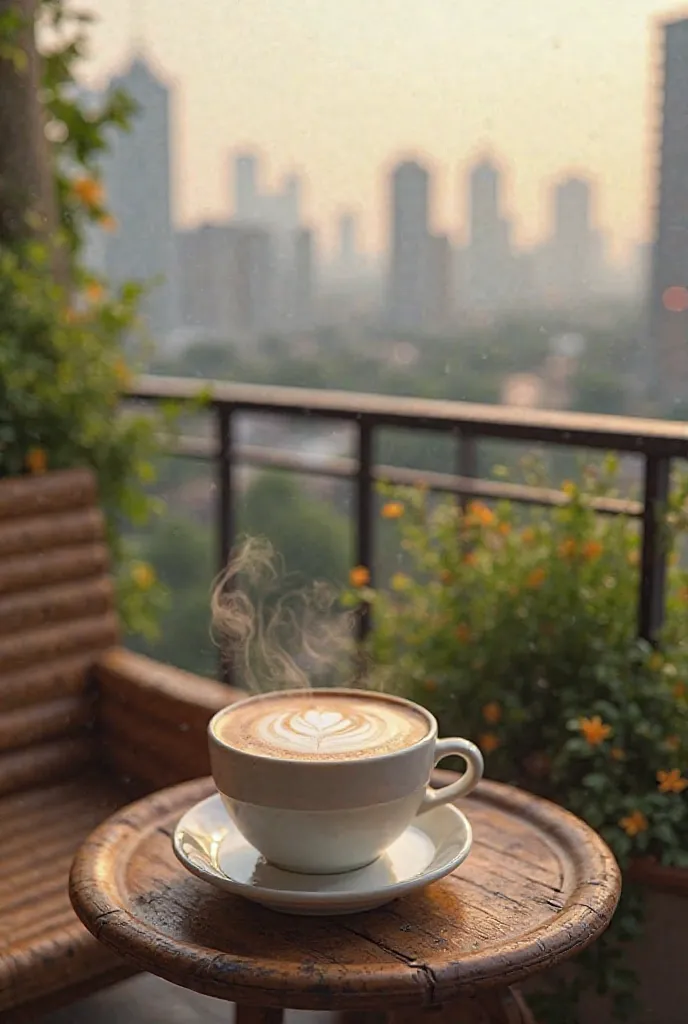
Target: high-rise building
(407, 283)
(299, 281)
(279, 211)
(227, 280)
(573, 243)
(667, 360)
(347, 255)
(489, 276)
(245, 186)
(136, 173)
(440, 282)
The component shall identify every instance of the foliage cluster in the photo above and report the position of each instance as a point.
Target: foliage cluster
(516, 629)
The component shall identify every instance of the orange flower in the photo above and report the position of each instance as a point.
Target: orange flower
(143, 575)
(535, 579)
(469, 558)
(683, 594)
(88, 191)
(94, 291)
(594, 730)
(672, 743)
(429, 685)
(504, 529)
(528, 535)
(679, 690)
(617, 754)
(567, 548)
(36, 460)
(462, 633)
(671, 782)
(480, 513)
(446, 576)
(392, 510)
(359, 576)
(492, 712)
(634, 823)
(488, 742)
(592, 550)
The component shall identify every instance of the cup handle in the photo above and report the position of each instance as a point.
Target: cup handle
(460, 787)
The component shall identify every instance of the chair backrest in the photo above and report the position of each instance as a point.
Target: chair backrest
(56, 617)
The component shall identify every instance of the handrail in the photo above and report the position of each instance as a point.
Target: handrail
(657, 442)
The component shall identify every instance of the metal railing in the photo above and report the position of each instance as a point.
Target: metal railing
(657, 442)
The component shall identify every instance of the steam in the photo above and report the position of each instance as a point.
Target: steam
(274, 634)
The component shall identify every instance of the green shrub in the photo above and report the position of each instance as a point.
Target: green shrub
(517, 630)
(62, 368)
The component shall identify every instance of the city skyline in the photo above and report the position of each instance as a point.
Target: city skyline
(338, 94)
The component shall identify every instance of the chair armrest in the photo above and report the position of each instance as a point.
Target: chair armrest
(153, 718)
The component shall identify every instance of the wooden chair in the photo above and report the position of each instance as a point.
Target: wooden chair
(84, 726)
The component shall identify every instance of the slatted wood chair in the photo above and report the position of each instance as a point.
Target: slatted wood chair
(84, 726)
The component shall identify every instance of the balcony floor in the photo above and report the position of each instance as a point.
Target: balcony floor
(149, 1000)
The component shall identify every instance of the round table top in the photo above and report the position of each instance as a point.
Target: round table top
(538, 886)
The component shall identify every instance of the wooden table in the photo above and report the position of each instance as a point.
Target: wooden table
(538, 886)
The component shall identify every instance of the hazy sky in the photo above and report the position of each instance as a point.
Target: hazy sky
(336, 88)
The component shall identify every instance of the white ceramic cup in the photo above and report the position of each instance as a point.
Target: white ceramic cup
(328, 816)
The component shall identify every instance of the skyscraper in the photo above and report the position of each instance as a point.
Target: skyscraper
(407, 286)
(668, 305)
(573, 243)
(489, 283)
(278, 211)
(440, 282)
(347, 255)
(226, 276)
(245, 186)
(136, 172)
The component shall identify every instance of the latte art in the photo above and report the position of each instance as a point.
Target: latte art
(316, 726)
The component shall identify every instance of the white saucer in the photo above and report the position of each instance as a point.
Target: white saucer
(207, 842)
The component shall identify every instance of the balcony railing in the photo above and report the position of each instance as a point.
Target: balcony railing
(657, 442)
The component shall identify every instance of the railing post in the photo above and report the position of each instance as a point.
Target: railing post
(364, 511)
(466, 463)
(224, 484)
(653, 561)
(224, 507)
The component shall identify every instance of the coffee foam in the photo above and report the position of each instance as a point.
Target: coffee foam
(315, 727)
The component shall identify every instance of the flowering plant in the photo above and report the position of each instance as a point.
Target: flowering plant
(62, 368)
(516, 628)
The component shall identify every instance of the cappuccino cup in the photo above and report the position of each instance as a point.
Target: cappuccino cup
(323, 781)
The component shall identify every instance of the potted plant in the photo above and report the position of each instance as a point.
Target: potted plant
(516, 628)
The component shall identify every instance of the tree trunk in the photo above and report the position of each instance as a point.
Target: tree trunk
(27, 188)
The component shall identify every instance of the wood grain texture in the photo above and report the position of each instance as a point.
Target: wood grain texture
(162, 692)
(58, 677)
(23, 572)
(34, 495)
(64, 716)
(538, 887)
(66, 638)
(57, 529)
(43, 948)
(63, 602)
(154, 718)
(44, 763)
